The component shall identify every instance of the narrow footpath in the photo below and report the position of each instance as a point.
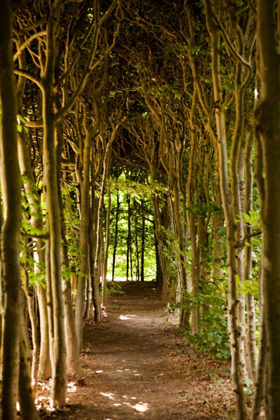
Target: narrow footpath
(135, 365)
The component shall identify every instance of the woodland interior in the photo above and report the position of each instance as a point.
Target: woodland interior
(140, 209)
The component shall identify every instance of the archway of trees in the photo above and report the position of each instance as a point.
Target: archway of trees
(139, 140)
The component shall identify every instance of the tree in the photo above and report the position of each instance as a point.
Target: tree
(10, 232)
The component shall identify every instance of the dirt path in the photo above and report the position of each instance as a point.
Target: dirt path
(135, 366)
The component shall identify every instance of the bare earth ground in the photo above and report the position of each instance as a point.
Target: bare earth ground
(135, 365)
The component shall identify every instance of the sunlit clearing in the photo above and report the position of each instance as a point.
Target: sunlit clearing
(117, 404)
(71, 387)
(141, 407)
(108, 394)
(133, 398)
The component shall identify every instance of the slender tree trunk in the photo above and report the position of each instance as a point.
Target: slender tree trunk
(11, 192)
(226, 200)
(32, 317)
(251, 327)
(27, 406)
(107, 243)
(218, 223)
(136, 245)
(51, 188)
(72, 347)
(267, 118)
(162, 259)
(116, 236)
(260, 376)
(184, 315)
(92, 254)
(85, 208)
(191, 217)
(128, 239)
(143, 241)
(44, 369)
(159, 275)
(107, 233)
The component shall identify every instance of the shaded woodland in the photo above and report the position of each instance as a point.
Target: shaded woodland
(140, 140)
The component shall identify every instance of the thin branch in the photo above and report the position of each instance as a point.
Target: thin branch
(26, 43)
(33, 235)
(29, 76)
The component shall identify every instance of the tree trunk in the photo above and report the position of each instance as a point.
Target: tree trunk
(106, 248)
(107, 233)
(26, 400)
(143, 214)
(33, 322)
(267, 119)
(116, 236)
(11, 192)
(92, 253)
(52, 199)
(136, 245)
(85, 208)
(128, 239)
(44, 369)
(226, 200)
(251, 321)
(72, 347)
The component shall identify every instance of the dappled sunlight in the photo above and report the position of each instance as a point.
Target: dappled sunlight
(71, 387)
(140, 406)
(44, 401)
(45, 386)
(108, 394)
(126, 317)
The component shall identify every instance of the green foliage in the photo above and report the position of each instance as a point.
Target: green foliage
(113, 288)
(72, 224)
(213, 335)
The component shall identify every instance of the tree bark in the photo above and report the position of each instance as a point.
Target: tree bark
(267, 117)
(228, 211)
(116, 236)
(11, 192)
(28, 409)
(52, 199)
(143, 241)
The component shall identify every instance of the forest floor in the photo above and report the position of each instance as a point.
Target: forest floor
(136, 365)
